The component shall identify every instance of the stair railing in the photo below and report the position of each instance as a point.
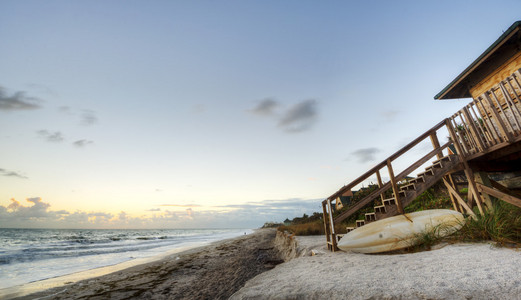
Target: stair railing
(490, 120)
(329, 221)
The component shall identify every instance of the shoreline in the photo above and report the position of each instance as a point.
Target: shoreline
(96, 281)
(55, 282)
(250, 267)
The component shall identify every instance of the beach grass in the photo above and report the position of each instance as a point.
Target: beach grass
(502, 225)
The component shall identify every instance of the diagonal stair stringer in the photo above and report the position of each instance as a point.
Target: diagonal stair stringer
(424, 181)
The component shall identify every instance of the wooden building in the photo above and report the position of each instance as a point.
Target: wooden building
(485, 137)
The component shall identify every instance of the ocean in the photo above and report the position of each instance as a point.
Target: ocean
(30, 255)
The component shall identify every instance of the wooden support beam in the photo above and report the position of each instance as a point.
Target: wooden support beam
(504, 189)
(467, 170)
(455, 203)
(500, 195)
(395, 187)
(458, 197)
(436, 144)
(473, 191)
(482, 178)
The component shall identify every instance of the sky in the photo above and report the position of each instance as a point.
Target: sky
(204, 114)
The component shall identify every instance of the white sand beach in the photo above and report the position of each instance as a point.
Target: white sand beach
(457, 271)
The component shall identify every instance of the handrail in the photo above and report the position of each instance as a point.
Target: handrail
(387, 186)
(384, 163)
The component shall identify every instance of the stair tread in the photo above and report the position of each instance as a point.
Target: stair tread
(426, 173)
(407, 186)
(445, 158)
(437, 165)
(417, 179)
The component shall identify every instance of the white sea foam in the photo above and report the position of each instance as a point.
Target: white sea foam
(29, 255)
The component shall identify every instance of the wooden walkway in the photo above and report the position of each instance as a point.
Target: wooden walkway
(487, 128)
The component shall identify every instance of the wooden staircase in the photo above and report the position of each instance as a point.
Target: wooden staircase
(487, 128)
(411, 190)
(439, 167)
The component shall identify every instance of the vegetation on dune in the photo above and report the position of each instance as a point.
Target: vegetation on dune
(501, 225)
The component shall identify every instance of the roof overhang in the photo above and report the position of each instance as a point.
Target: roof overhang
(508, 44)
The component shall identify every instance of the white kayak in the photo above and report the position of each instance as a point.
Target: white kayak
(399, 232)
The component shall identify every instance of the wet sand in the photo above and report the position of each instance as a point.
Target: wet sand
(210, 272)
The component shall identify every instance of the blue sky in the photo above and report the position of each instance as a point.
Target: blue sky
(216, 113)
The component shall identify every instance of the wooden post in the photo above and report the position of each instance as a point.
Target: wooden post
(482, 178)
(326, 227)
(332, 226)
(380, 184)
(395, 187)
(436, 143)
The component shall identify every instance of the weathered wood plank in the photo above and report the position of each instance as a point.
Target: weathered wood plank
(394, 185)
(467, 170)
(436, 144)
(380, 184)
(500, 195)
(325, 218)
(458, 197)
(331, 225)
(504, 189)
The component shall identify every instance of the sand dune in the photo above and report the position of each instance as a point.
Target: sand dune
(459, 271)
